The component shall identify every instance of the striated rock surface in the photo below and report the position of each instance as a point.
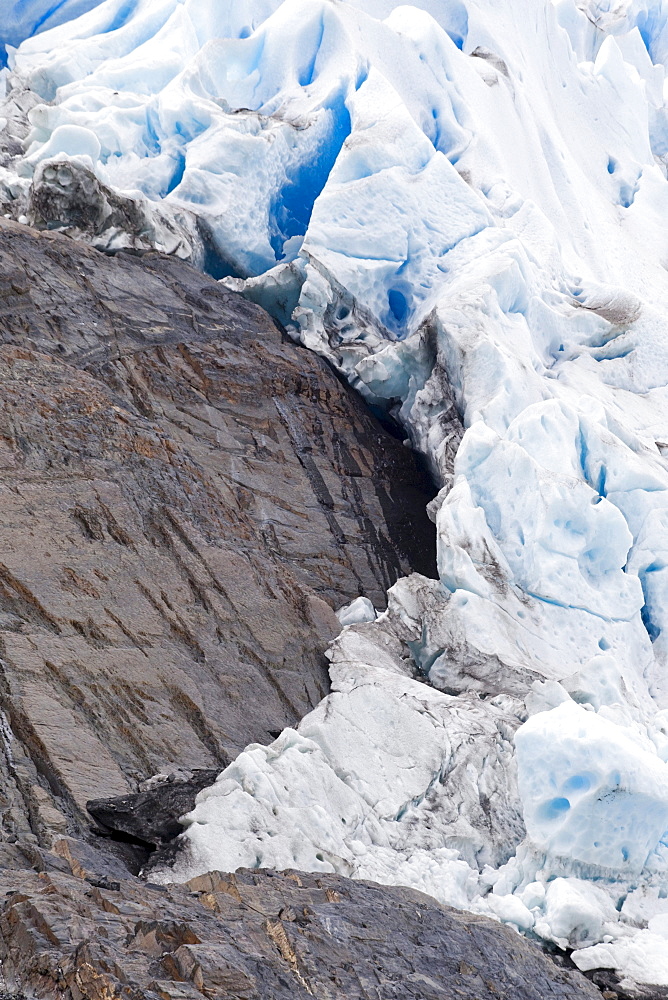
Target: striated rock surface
(185, 499)
(261, 936)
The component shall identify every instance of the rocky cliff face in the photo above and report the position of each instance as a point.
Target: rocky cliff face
(185, 498)
(262, 936)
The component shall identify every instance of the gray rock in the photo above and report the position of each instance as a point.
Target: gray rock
(185, 498)
(262, 936)
(70, 198)
(151, 816)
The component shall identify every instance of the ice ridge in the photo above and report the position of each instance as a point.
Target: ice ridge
(23, 18)
(461, 204)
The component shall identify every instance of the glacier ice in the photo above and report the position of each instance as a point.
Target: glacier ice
(23, 18)
(461, 205)
(384, 771)
(601, 797)
(359, 610)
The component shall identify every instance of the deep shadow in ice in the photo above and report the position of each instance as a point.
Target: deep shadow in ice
(291, 210)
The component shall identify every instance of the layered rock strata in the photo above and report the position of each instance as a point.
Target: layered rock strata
(185, 499)
(262, 936)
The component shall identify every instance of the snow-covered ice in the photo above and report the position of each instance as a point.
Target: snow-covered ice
(23, 18)
(461, 204)
(359, 610)
(601, 797)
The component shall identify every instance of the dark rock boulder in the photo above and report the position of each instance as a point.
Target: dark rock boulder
(70, 198)
(261, 936)
(185, 498)
(151, 816)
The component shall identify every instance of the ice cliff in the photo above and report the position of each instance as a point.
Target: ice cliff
(462, 205)
(23, 18)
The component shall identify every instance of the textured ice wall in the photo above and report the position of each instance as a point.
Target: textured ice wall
(19, 19)
(462, 200)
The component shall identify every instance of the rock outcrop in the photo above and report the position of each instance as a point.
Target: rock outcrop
(261, 936)
(150, 816)
(185, 498)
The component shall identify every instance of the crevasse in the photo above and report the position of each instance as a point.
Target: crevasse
(458, 201)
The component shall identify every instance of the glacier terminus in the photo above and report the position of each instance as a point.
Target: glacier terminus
(461, 205)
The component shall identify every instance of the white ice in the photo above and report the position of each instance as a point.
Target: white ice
(19, 19)
(359, 610)
(459, 202)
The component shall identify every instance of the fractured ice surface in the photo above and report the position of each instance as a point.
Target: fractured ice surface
(22, 18)
(385, 775)
(461, 204)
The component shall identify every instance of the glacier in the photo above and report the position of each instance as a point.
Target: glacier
(460, 204)
(24, 18)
